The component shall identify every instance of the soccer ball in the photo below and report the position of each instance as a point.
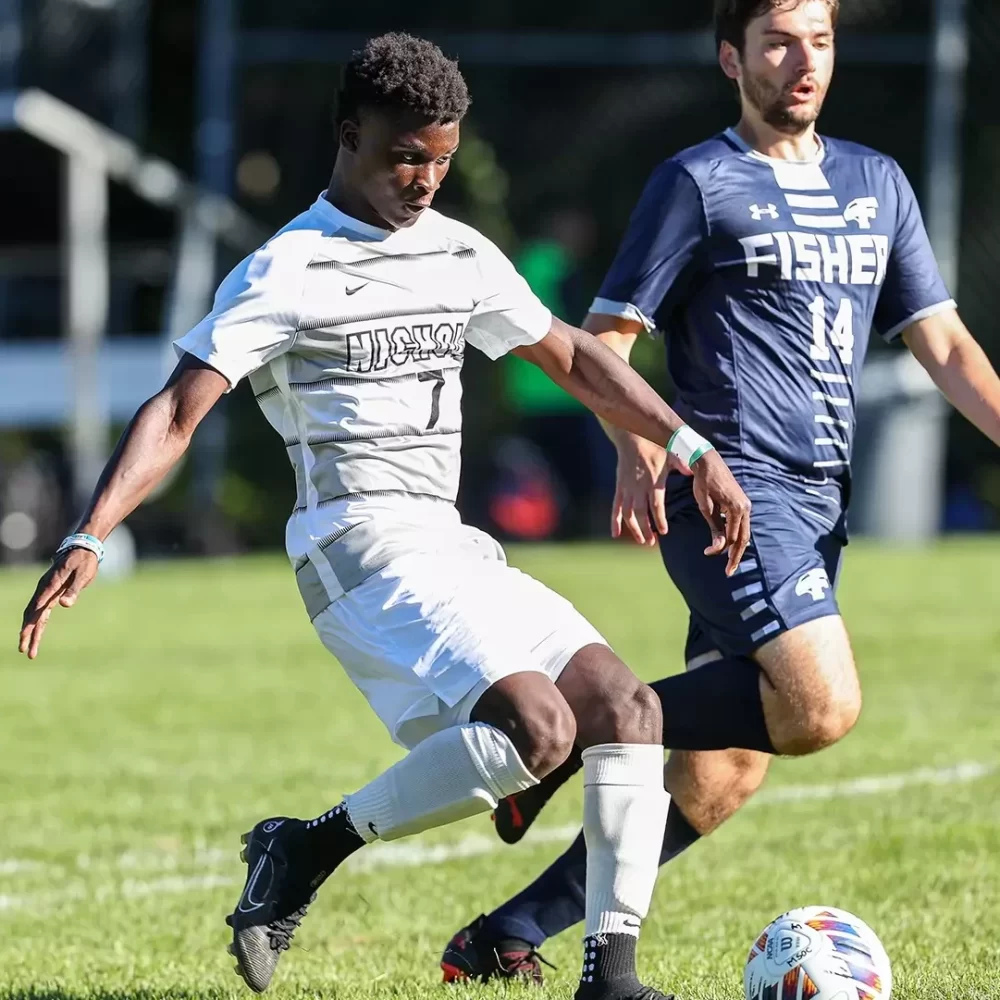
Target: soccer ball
(817, 953)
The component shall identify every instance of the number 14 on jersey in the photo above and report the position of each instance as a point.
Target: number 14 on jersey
(841, 334)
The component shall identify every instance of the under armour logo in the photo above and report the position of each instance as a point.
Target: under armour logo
(813, 584)
(862, 211)
(758, 213)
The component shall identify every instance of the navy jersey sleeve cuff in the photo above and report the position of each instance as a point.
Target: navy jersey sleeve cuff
(893, 334)
(623, 310)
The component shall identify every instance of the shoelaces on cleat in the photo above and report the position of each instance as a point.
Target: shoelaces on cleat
(283, 930)
(522, 963)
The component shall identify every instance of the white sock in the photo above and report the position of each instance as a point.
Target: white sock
(624, 815)
(451, 775)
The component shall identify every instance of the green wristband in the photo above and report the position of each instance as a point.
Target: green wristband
(700, 453)
(688, 445)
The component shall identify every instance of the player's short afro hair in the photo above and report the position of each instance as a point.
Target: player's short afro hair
(733, 16)
(399, 72)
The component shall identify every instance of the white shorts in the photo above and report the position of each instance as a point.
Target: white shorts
(423, 638)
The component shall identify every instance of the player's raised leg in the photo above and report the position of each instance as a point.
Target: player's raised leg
(453, 774)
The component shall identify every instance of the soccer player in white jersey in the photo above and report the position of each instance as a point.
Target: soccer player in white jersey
(765, 255)
(351, 323)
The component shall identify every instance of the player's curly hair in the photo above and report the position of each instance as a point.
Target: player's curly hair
(733, 16)
(400, 72)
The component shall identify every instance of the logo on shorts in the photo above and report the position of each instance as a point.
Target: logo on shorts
(813, 584)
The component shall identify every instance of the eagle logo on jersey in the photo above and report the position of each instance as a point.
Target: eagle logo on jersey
(863, 211)
(758, 213)
(813, 584)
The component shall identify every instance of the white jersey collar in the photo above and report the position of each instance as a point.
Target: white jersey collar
(344, 221)
(817, 157)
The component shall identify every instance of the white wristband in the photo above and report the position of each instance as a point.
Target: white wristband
(82, 541)
(688, 445)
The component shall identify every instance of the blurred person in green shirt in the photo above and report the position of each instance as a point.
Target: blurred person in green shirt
(552, 473)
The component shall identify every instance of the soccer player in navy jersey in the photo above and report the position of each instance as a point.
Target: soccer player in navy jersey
(765, 256)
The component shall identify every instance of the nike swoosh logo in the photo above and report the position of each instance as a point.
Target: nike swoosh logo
(631, 923)
(252, 884)
(351, 291)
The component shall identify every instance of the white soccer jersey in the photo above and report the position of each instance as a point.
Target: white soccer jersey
(353, 339)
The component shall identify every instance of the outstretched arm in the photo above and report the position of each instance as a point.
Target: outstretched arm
(592, 372)
(959, 368)
(153, 442)
(589, 370)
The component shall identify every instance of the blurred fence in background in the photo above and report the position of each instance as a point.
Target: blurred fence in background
(574, 103)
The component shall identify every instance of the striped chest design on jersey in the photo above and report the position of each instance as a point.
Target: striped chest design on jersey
(368, 400)
(822, 250)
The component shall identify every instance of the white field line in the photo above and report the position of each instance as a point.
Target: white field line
(407, 854)
(958, 774)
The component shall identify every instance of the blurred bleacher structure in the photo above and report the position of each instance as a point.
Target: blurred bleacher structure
(148, 144)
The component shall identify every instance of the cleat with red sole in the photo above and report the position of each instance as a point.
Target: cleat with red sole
(473, 955)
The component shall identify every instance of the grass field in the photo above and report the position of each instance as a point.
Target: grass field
(169, 713)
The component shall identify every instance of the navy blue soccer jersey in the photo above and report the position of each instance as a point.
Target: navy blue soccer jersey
(766, 277)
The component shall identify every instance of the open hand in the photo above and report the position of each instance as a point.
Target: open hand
(61, 584)
(641, 488)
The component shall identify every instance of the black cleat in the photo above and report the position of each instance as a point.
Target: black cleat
(609, 992)
(514, 814)
(472, 955)
(274, 901)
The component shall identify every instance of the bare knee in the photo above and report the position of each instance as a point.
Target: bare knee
(631, 714)
(747, 770)
(610, 703)
(534, 716)
(547, 736)
(709, 786)
(821, 725)
(812, 697)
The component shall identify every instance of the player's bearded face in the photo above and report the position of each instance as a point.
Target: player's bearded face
(787, 64)
(399, 165)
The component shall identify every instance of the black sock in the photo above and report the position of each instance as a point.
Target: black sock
(556, 899)
(608, 967)
(678, 836)
(328, 839)
(716, 707)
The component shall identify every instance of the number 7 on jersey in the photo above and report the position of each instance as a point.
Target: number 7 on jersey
(438, 379)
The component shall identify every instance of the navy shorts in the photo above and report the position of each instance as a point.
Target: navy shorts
(788, 575)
